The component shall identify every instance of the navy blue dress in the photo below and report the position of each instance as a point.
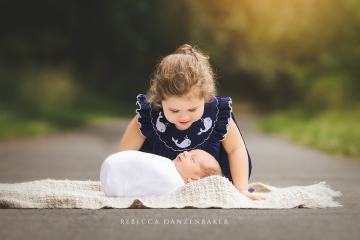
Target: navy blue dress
(164, 139)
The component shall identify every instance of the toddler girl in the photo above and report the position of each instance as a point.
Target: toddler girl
(182, 112)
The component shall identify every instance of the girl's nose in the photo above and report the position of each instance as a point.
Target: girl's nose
(184, 118)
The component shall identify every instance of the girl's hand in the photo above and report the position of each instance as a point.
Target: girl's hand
(254, 196)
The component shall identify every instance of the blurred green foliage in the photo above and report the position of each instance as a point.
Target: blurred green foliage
(336, 132)
(274, 53)
(282, 53)
(58, 58)
(16, 124)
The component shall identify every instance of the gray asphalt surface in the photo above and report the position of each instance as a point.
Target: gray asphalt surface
(77, 155)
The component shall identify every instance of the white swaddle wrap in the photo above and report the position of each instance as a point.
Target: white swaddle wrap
(134, 173)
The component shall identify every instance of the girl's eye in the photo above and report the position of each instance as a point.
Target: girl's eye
(174, 111)
(192, 110)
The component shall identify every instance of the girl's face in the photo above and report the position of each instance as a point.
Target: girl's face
(183, 111)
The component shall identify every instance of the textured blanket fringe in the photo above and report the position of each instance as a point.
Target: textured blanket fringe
(209, 192)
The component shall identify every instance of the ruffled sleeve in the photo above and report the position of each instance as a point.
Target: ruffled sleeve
(223, 118)
(143, 109)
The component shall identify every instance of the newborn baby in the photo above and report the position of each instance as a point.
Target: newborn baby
(134, 173)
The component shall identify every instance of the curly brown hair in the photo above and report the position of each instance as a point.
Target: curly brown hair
(178, 73)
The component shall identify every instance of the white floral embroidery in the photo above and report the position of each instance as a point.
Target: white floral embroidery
(207, 124)
(185, 143)
(160, 126)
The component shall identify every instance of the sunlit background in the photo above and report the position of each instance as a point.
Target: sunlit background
(295, 63)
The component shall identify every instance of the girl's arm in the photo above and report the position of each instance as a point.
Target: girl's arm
(132, 138)
(238, 160)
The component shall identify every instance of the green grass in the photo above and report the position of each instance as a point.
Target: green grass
(336, 132)
(14, 125)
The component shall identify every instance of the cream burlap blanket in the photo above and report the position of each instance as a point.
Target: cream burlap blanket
(214, 191)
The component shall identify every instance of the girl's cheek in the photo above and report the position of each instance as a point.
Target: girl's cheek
(197, 116)
(169, 116)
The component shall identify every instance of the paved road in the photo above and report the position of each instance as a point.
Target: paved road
(77, 155)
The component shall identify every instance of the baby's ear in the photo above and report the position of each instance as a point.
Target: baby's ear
(195, 178)
(192, 179)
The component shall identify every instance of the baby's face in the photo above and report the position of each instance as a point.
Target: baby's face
(191, 164)
(183, 111)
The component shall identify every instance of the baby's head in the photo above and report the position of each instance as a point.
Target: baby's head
(181, 84)
(196, 164)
